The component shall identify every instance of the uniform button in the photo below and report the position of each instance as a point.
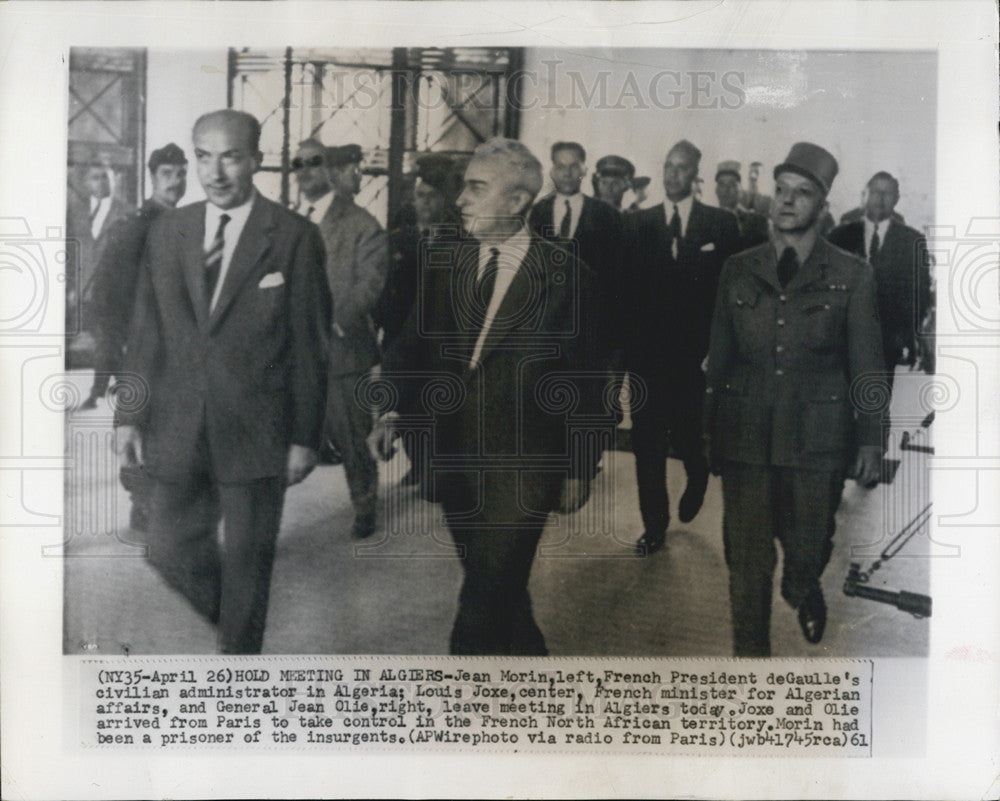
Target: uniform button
(781, 321)
(779, 371)
(780, 348)
(782, 298)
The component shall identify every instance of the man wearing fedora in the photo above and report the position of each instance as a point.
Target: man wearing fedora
(753, 226)
(357, 258)
(794, 400)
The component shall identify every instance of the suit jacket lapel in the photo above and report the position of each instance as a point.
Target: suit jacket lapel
(254, 242)
(193, 257)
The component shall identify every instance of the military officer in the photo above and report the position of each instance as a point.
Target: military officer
(753, 226)
(794, 398)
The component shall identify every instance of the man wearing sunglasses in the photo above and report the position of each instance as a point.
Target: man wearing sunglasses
(357, 258)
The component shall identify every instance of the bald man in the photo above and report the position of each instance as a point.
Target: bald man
(229, 340)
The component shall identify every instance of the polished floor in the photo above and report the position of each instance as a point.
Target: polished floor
(396, 593)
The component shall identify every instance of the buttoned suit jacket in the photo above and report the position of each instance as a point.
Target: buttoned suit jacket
(902, 279)
(794, 374)
(670, 301)
(597, 241)
(357, 259)
(503, 433)
(247, 377)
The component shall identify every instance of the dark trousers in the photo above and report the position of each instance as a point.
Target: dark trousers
(228, 585)
(494, 608)
(762, 504)
(348, 425)
(672, 409)
(107, 360)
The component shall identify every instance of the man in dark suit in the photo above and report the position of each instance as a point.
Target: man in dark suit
(674, 252)
(113, 298)
(357, 258)
(89, 219)
(792, 401)
(499, 324)
(112, 295)
(438, 184)
(592, 228)
(899, 256)
(753, 226)
(229, 338)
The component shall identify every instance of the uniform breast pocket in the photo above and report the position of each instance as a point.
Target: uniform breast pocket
(747, 319)
(822, 320)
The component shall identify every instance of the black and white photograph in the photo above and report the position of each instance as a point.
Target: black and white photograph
(461, 399)
(620, 447)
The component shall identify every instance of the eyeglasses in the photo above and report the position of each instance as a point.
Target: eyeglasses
(312, 161)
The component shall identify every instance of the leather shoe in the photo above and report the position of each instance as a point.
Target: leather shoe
(812, 615)
(650, 542)
(691, 500)
(364, 526)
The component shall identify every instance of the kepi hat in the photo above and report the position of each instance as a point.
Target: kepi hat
(811, 161)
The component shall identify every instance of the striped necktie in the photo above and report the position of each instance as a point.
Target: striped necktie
(213, 258)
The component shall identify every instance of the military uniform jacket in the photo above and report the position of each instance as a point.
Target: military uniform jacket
(357, 259)
(794, 374)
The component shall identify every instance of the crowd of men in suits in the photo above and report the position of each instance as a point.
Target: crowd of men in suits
(252, 326)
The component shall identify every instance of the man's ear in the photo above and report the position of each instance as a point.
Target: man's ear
(258, 158)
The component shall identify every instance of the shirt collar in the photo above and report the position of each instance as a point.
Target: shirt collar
(237, 214)
(683, 210)
(512, 250)
(320, 206)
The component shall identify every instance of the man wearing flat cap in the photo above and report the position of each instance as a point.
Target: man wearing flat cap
(674, 253)
(612, 178)
(753, 226)
(794, 401)
(357, 258)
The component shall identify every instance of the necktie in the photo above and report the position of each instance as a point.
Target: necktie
(564, 226)
(788, 265)
(675, 231)
(309, 212)
(488, 279)
(875, 244)
(213, 258)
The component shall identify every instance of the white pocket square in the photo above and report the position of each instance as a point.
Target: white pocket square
(271, 280)
(707, 248)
